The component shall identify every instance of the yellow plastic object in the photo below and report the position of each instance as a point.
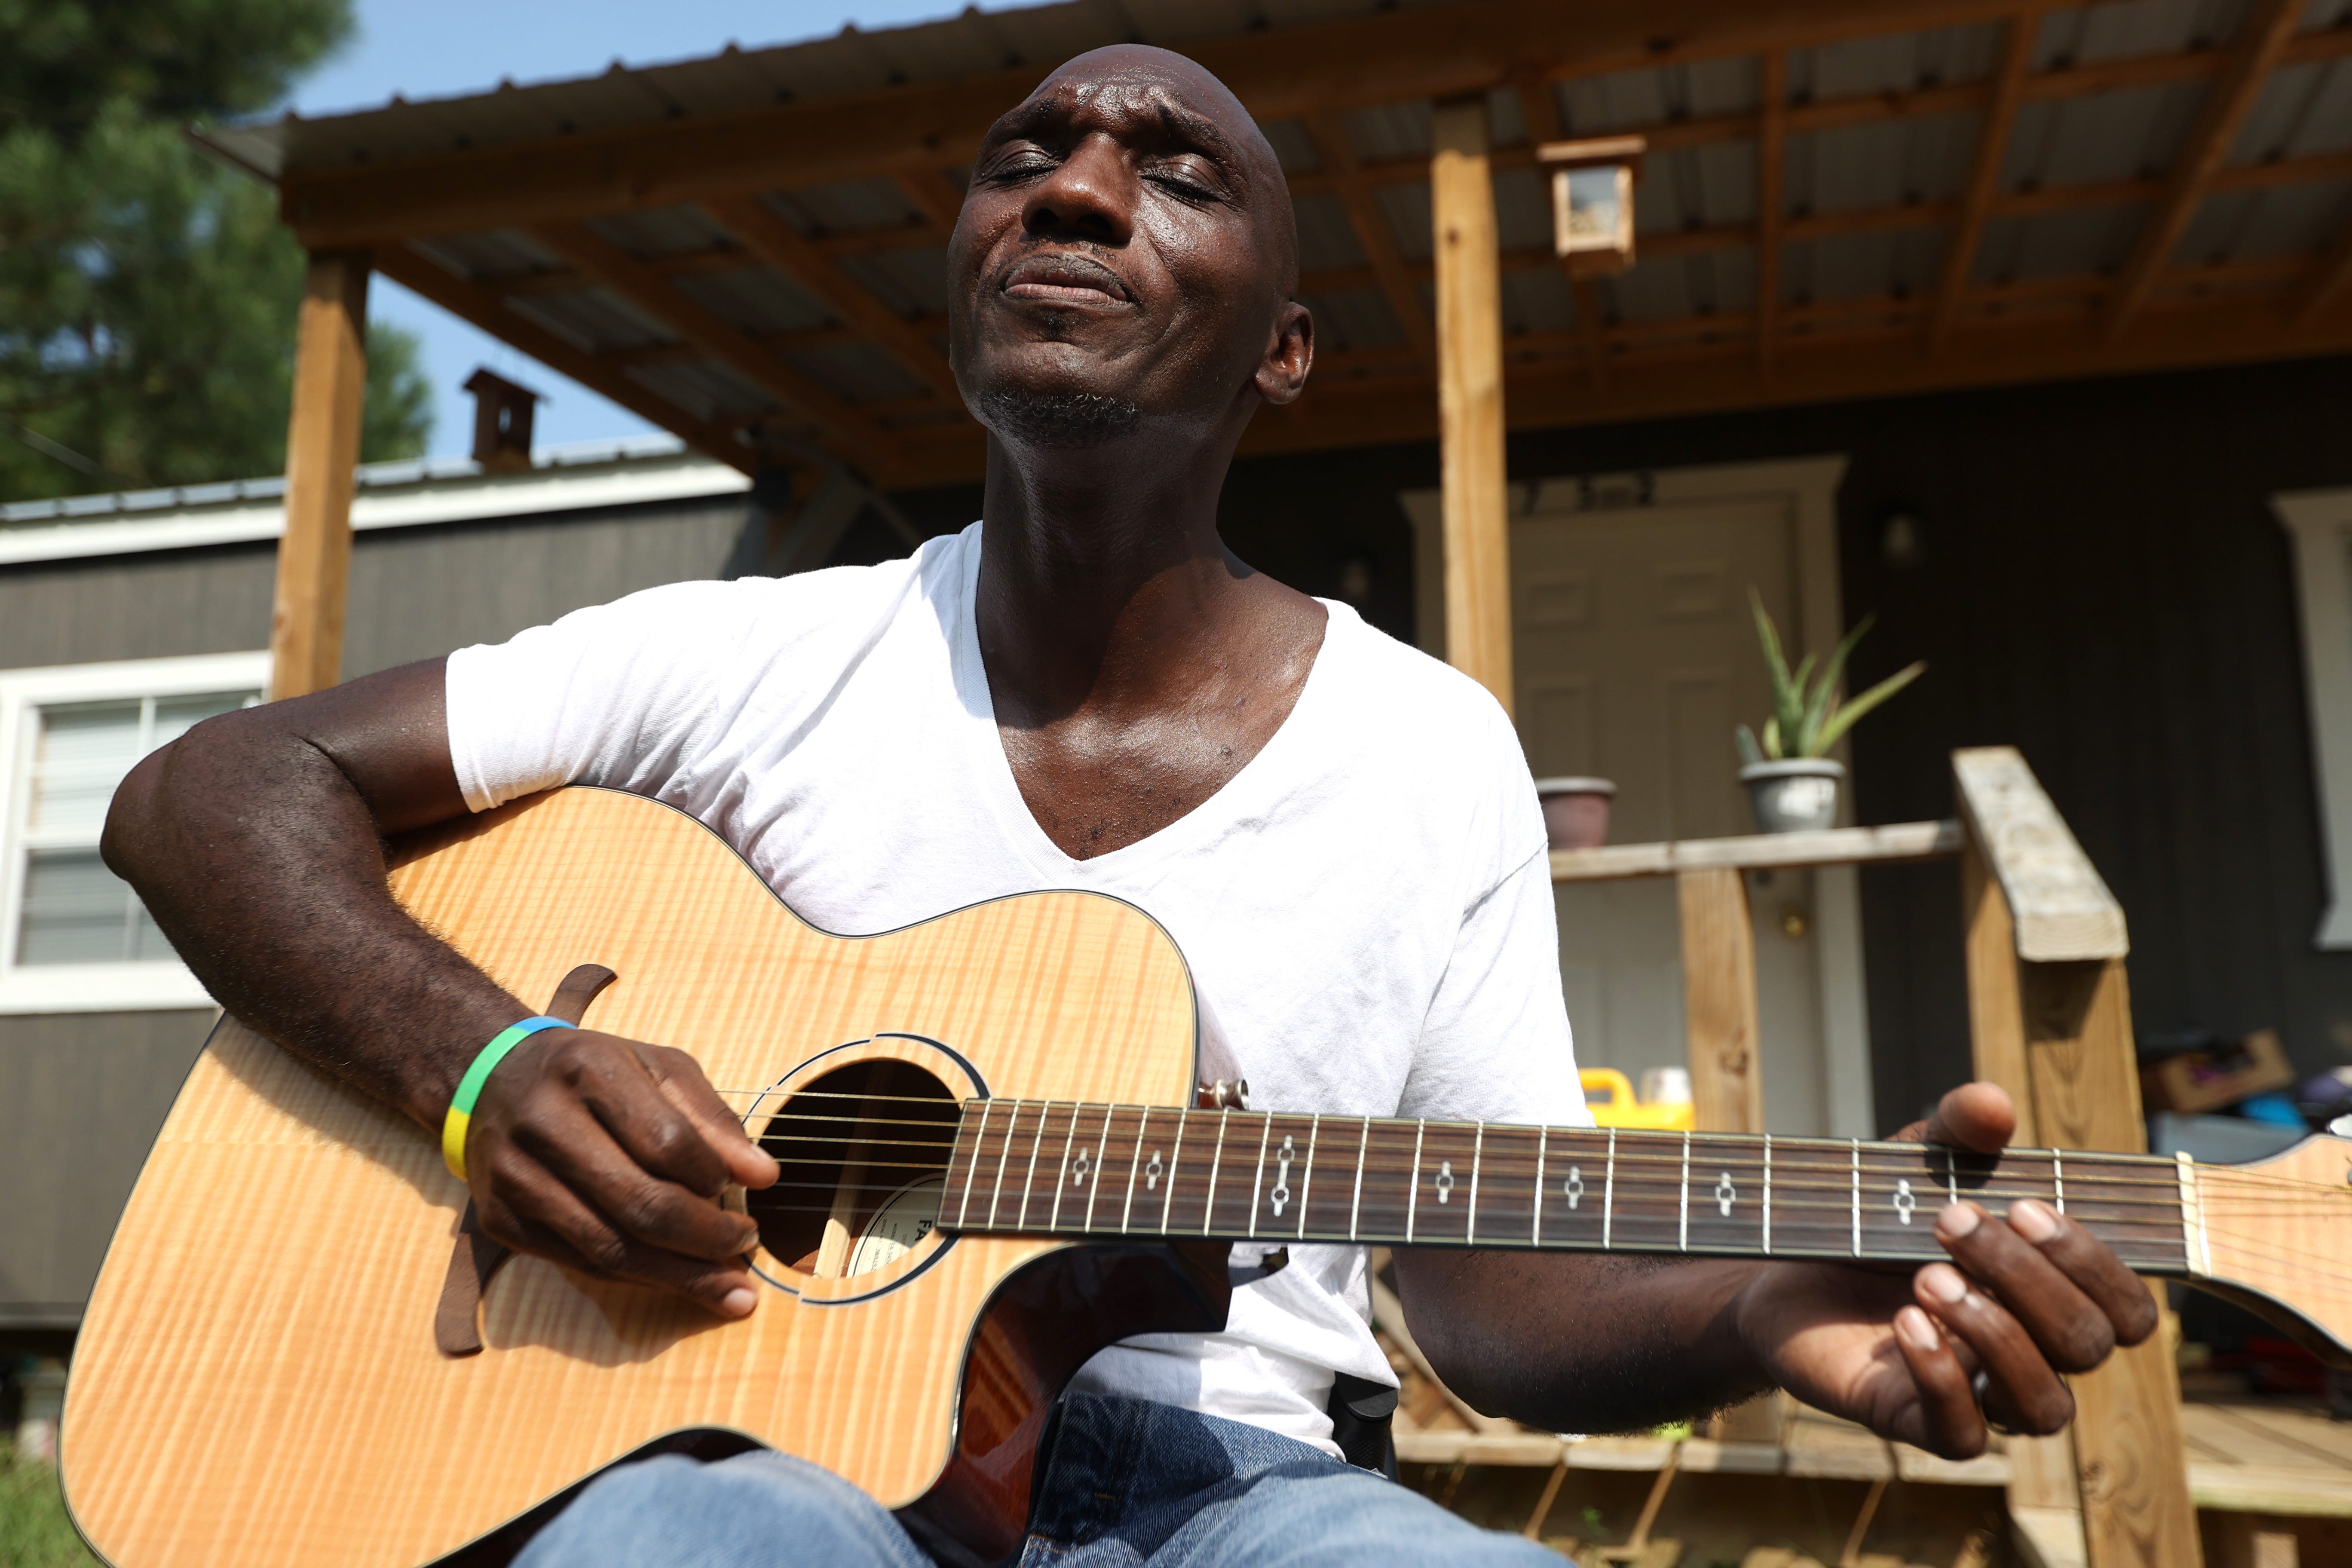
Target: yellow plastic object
(1610, 1094)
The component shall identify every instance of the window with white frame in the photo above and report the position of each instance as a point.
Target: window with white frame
(73, 936)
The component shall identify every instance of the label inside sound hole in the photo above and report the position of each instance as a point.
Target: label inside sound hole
(905, 1217)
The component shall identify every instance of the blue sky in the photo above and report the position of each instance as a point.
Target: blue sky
(433, 48)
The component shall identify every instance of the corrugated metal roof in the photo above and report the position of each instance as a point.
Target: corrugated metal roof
(1870, 193)
(850, 61)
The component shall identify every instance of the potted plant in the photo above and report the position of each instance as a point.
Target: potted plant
(1791, 782)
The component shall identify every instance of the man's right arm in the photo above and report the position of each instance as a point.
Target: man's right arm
(257, 841)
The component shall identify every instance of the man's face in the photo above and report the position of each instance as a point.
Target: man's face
(1125, 254)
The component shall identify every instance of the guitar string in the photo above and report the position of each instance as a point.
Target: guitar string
(2162, 1174)
(1507, 1180)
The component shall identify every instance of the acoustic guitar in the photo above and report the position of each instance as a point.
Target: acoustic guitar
(301, 1352)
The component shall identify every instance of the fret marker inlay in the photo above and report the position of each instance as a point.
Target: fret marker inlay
(1152, 1172)
(1904, 1203)
(1281, 1193)
(1444, 1183)
(1725, 1194)
(1572, 1189)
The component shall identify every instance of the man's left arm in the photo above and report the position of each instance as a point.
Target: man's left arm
(1586, 1342)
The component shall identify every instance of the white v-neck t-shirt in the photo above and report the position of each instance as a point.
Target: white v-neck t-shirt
(1366, 906)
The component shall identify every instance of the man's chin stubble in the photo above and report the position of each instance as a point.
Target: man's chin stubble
(1068, 420)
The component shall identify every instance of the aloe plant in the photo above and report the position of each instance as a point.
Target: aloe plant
(1807, 717)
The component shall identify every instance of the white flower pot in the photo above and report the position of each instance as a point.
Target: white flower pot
(1799, 795)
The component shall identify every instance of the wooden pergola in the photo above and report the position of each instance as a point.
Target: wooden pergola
(745, 249)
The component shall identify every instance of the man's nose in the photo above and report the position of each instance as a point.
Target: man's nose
(1090, 196)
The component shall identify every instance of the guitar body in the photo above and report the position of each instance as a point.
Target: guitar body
(257, 1380)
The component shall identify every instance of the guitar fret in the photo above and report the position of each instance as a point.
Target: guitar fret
(1356, 1204)
(996, 1194)
(1134, 1167)
(1477, 1153)
(1257, 1185)
(2058, 1180)
(1609, 1193)
(1209, 1203)
(1094, 1182)
(1069, 1141)
(1767, 1194)
(1683, 1239)
(1036, 1146)
(1175, 1156)
(1535, 1220)
(971, 1171)
(1412, 1194)
(1307, 1180)
(1857, 1197)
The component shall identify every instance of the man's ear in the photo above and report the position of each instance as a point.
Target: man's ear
(1289, 354)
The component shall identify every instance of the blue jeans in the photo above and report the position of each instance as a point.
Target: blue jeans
(1123, 1483)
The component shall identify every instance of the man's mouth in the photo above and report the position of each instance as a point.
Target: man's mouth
(1066, 280)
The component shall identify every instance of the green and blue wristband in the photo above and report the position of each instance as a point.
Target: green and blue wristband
(470, 1088)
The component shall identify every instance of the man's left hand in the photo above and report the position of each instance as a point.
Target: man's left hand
(1933, 1358)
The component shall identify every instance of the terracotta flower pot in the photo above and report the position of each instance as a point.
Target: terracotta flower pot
(1576, 810)
(1798, 795)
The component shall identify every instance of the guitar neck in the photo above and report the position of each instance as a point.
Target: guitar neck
(1107, 1172)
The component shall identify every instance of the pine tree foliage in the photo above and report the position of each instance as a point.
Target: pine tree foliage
(147, 294)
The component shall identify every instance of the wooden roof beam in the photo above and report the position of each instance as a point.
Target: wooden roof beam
(1725, 375)
(2268, 28)
(1374, 234)
(1984, 177)
(782, 246)
(488, 309)
(802, 396)
(1772, 165)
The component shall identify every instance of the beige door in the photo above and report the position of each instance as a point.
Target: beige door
(1634, 657)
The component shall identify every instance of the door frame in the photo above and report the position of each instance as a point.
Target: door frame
(1808, 487)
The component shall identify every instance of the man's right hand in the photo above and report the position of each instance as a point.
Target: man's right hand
(609, 1156)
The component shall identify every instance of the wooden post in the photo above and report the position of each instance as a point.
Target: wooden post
(323, 447)
(1720, 1001)
(1470, 399)
(2051, 1021)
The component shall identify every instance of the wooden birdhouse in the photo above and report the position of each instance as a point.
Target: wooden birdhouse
(1592, 202)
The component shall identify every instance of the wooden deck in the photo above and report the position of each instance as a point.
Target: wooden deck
(1777, 1485)
(2245, 1455)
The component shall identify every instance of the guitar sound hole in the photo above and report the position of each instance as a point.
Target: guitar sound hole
(865, 1153)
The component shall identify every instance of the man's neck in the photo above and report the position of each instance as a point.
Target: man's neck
(1103, 580)
(1134, 663)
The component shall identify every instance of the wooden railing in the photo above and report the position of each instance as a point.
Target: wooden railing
(1720, 1017)
(2050, 1021)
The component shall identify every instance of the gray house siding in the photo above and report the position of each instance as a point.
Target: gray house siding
(82, 1094)
(414, 591)
(81, 1097)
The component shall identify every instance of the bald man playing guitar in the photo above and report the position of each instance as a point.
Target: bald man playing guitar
(1085, 688)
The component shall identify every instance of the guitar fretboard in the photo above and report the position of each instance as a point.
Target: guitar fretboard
(1109, 1171)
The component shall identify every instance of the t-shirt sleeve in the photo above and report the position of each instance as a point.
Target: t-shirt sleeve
(1495, 1045)
(621, 695)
